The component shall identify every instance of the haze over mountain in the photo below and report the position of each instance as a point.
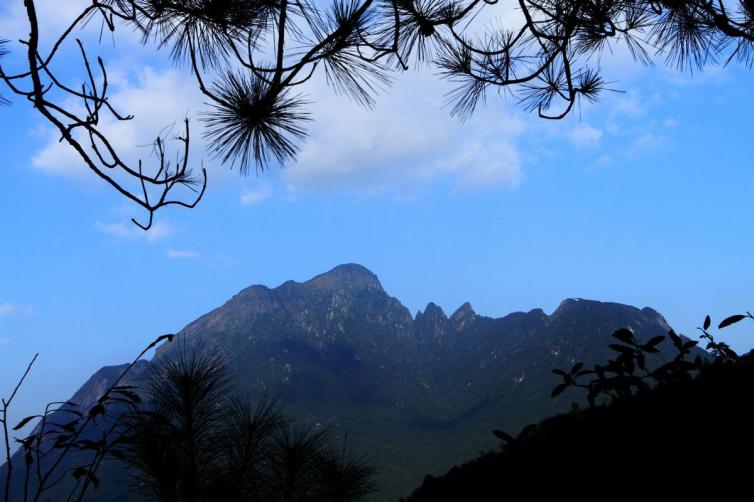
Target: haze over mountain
(420, 393)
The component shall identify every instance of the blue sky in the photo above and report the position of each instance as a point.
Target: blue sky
(644, 199)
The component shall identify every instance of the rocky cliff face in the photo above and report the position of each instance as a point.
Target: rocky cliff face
(419, 393)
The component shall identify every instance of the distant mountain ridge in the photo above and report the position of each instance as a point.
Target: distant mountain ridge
(419, 392)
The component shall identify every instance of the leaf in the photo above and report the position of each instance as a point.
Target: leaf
(88, 444)
(707, 322)
(690, 344)
(590, 399)
(731, 320)
(558, 390)
(24, 422)
(675, 338)
(94, 479)
(621, 348)
(641, 361)
(528, 430)
(159, 339)
(576, 368)
(502, 435)
(62, 440)
(97, 409)
(131, 396)
(559, 372)
(69, 426)
(630, 365)
(654, 342)
(625, 336)
(79, 472)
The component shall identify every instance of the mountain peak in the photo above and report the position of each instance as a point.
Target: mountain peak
(572, 303)
(434, 311)
(349, 275)
(462, 316)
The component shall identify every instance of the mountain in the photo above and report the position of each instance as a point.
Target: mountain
(421, 393)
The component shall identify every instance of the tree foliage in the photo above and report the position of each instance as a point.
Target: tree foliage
(180, 433)
(648, 428)
(249, 56)
(193, 439)
(69, 442)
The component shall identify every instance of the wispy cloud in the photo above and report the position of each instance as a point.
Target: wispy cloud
(251, 196)
(178, 254)
(129, 231)
(585, 136)
(52, 14)
(408, 140)
(9, 309)
(156, 99)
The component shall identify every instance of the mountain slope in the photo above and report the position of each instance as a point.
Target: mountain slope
(420, 393)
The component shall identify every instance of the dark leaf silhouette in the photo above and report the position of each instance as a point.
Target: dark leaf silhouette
(25, 421)
(731, 320)
(559, 389)
(621, 348)
(168, 337)
(502, 435)
(625, 336)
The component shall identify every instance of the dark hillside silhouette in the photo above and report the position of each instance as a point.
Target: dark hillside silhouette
(683, 431)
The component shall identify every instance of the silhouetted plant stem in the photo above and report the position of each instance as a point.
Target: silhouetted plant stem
(4, 420)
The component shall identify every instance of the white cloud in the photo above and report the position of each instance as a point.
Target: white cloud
(251, 196)
(177, 254)
(9, 309)
(54, 15)
(6, 309)
(647, 143)
(636, 142)
(409, 139)
(156, 99)
(481, 163)
(585, 136)
(128, 231)
(627, 104)
(670, 122)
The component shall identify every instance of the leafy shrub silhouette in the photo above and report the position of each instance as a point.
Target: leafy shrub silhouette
(647, 429)
(67, 435)
(182, 435)
(193, 439)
